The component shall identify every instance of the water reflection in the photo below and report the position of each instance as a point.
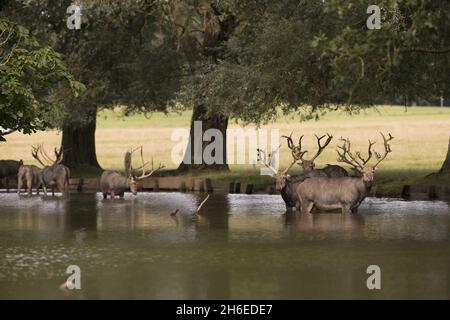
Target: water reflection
(240, 246)
(324, 222)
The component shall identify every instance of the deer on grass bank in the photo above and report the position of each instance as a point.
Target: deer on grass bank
(115, 184)
(54, 173)
(309, 165)
(345, 193)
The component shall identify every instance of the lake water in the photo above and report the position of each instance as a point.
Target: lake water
(241, 247)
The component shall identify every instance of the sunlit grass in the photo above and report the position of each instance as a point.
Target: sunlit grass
(420, 144)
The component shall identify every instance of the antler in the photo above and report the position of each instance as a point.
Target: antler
(35, 153)
(263, 158)
(296, 150)
(369, 154)
(59, 155)
(322, 147)
(42, 156)
(144, 164)
(346, 154)
(387, 149)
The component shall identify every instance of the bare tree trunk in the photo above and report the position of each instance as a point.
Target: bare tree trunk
(446, 164)
(214, 121)
(78, 144)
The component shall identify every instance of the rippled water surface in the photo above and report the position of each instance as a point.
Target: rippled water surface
(241, 247)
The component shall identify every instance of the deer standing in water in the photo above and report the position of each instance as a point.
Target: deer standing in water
(309, 165)
(115, 184)
(54, 173)
(345, 193)
(32, 176)
(284, 182)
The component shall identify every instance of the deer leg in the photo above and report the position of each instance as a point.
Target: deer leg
(346, 208)
(29, 185)
(19, 185)
(7, 184)
(45, 189)
(105, 195)
(112, 195)
(307, 206)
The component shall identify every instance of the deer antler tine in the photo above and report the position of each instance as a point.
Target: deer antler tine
(321, 147)
(387, 149)
(262, 157)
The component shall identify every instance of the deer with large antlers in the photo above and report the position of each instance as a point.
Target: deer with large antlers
(284, 182)
(309, 165)
(345, 193)
(115, 184)
(54, 173)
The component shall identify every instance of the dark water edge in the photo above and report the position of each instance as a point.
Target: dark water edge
(241, 247)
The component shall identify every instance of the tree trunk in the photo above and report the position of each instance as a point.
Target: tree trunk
(78, 143)
(446, 165)
(212, 121)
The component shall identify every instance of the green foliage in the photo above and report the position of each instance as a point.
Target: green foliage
(313, 56)
(29, 73)
(123, 53)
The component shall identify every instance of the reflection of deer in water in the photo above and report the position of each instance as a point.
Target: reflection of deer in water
(345, 193)
(115, 184)
(54, 173)
(324, 222)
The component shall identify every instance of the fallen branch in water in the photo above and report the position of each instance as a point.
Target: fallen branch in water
(202, 203)
(174, 213)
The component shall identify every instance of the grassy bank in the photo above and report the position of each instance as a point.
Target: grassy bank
(421, 138)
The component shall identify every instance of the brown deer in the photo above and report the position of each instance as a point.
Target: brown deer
(33, 177)
(9, 170)
(309, 165)
(284, 182)
(115, 184)
(345, 193)
(54, 173)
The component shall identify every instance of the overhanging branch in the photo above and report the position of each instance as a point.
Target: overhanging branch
(428, 50)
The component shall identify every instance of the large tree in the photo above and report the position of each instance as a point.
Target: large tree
(29, 73)
(310, 56)
(123, 55)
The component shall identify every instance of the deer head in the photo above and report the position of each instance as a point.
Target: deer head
(131, 172)
(281, 176)
(38, 152)
(358, 162)
(298, 153)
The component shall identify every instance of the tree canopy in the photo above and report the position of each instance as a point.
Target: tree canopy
(29, 73)
(312, 56)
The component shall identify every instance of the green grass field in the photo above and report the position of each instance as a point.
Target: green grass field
(420, 145)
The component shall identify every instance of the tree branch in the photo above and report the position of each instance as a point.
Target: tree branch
(428, 50)
(5, 133)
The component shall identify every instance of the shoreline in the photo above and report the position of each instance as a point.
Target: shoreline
(420, 191)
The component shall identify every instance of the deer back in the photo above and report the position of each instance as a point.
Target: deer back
(112, 180)
(9, 167)
(55, 173)
(332, 191)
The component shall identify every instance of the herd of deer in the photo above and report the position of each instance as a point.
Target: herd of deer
(331, 187)
(324, 189)
(54, 174)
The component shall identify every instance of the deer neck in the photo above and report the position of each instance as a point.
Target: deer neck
(367, 184)
(127, 182)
